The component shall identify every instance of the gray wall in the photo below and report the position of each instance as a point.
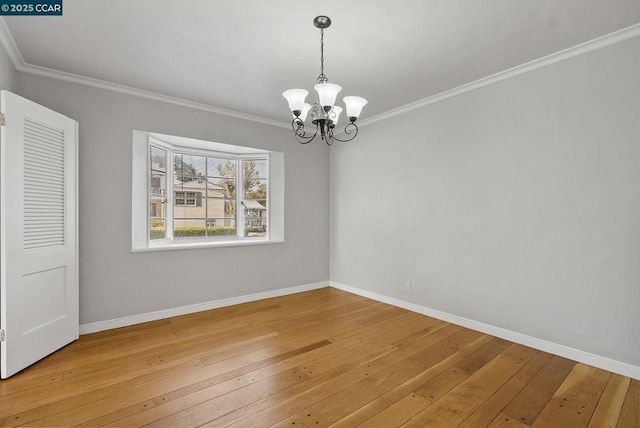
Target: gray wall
(8, 75)
(114, 282)
(516, 204)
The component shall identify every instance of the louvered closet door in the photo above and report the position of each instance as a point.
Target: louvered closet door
(38, 221)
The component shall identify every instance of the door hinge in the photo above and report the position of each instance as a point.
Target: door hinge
(2, 121)
(3, 336)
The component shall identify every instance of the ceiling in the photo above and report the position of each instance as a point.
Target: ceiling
(240, 55)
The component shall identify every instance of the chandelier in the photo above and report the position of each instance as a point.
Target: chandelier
(324, 114)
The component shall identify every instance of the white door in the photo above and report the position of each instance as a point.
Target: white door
(38, 233)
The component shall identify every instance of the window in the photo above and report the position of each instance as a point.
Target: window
(203, 193)
(188, 198)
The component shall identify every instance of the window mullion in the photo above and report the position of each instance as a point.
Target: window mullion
(268, 202)
(149, 191)
(239, 194)
(170, 197)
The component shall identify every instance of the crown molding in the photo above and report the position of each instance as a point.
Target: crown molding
(583, 48)
(20, 65)
(97, 83)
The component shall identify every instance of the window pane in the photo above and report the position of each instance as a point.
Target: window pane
(224, 186)
(158, 159)
(255, 184)
(188, 201)
(190, 184)
(187, 167)
(221, 227)
(220, 167)
(254, 180)
(189, 228)
(255, 167)
(157, 193)
(183, 209)
(158, 183)
(256, 189)
(255, 218)
(218, 189)
(221, 208)
(190, 180)
(157, 229)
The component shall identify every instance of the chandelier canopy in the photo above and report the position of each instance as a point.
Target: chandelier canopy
(324, 114)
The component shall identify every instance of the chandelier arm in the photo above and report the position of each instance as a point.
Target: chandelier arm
(348, 129)
(329, 137)
(302, 141)
(299, 132)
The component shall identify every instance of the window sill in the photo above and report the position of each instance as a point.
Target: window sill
(201, 245)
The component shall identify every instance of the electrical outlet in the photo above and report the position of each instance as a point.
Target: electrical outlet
(407, 286)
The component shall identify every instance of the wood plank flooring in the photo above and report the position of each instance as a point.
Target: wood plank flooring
(315, 359)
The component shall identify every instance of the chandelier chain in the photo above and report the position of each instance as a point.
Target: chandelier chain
(322, 78)
(321, 51)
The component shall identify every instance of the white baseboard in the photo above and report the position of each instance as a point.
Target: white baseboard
(604, 363)
(198, 307)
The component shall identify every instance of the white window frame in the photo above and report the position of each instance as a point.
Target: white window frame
(142, 142)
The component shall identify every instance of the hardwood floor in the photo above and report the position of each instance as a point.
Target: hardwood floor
(320, 358)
